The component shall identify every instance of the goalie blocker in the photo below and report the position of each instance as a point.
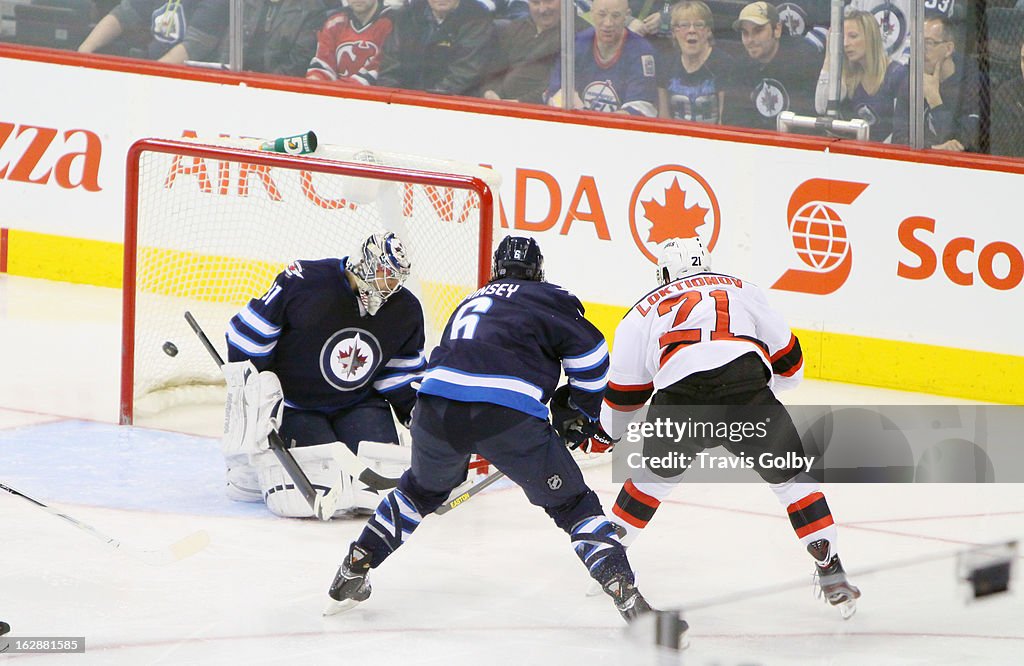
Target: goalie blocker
(254, 408)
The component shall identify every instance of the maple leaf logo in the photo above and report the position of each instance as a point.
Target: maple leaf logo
(673, 219)
(349, 363)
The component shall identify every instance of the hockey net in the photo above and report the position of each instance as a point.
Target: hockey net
(209, 225)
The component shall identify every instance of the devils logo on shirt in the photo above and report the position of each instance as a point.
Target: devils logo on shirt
(353, 56)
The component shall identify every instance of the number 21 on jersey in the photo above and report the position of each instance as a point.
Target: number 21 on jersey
(684, 304)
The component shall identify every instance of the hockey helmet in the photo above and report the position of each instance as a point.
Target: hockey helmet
(518, 257)
(384, 264)
(679, 257)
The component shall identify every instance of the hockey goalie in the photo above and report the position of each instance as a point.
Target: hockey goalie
(323, 358)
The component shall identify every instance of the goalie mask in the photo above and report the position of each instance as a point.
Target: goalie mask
(518, 257)
(382, 270)
(679, 257)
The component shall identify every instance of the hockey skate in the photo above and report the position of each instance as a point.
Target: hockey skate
(832, 584)
(351, 584)
(628, 600)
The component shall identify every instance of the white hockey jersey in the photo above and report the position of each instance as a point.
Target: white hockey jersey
(700, 322)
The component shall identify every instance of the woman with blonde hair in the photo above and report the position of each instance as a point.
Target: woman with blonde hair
(691, 83)
(870, 82)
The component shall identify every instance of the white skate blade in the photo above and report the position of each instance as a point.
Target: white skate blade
(338, 607)
(847, 608)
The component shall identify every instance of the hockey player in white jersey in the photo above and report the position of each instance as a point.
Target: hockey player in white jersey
(708, 341)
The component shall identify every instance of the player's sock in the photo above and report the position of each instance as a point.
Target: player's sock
(635, 507)
(388, 528)
(596, 542)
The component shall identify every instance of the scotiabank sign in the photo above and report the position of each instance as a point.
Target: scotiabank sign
(824, 248)
(998, 264)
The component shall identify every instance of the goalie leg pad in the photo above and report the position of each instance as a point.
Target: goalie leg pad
(279, 491)
(254, 406)
(389, 460)
(242, 479)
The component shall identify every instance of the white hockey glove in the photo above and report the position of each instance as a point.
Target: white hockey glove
(254, 407)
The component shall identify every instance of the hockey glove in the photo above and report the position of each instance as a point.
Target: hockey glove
(576, 429)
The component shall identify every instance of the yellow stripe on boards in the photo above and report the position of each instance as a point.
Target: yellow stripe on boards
(905, 366)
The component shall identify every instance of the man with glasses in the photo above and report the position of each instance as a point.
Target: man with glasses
(780, 74)
(614, 66)
(951, 82)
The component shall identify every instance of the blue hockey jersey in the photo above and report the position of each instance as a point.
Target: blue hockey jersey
(624, 83)
(307, 328)
(507, 343)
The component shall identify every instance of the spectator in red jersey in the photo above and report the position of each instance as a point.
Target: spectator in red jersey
(350, 43)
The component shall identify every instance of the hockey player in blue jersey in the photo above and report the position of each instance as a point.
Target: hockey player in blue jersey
(485, 391)
(344, 341)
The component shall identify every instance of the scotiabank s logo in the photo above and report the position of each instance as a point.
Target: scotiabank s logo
(819, 236)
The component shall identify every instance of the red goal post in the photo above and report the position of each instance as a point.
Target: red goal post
(209, 225)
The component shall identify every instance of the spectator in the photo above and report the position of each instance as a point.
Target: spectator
(614, 66)
(350, 43)
(1007, 129)
(180, 29)
(779, 74)
(278, 36)
(527, 50)
(692, 83)
(951, 91)
(870, 82)
(651, 20)
(440, 46)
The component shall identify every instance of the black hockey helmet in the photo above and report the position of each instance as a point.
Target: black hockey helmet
(518, 257)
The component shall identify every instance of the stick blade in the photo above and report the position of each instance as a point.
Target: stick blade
(179, 550)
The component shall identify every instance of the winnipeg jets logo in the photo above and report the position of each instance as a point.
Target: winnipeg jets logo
(893, 23)
(168, 23)
(554, 482)
(294, 269)
(601, 96)
(770, 98)
(793, 17)
(349, 358)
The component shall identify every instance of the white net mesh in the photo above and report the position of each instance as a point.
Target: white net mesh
(213, 230)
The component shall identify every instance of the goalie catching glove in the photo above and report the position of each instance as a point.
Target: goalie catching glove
(578, 431)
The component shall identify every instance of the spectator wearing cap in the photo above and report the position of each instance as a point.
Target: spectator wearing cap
(779, 73)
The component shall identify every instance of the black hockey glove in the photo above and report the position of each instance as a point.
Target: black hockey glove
(576, 429)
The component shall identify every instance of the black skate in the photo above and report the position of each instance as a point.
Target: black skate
(628, 600)
(836, 589)
(351, 584)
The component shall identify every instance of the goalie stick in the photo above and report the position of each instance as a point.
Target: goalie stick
(178, 550)
(323, 505)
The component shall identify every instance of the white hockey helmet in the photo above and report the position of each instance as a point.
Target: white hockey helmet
(383, 266)
(679, 257)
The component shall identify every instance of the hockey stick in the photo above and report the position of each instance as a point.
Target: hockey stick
(178, 550)
(468, 494)
(316, 502)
